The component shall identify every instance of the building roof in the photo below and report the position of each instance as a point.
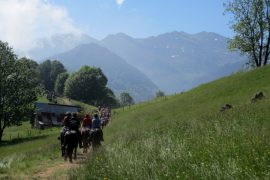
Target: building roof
(55, 108)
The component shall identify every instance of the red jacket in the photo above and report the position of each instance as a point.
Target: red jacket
(87, 121)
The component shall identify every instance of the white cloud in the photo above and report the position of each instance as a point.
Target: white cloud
(120, 2)
(24, 21)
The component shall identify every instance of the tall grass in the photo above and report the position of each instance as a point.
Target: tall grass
(186, 137)
(21, 158)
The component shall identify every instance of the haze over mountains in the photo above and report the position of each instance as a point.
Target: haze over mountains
(172, 62)
(122, 77)
(177, 61)
(58, 43)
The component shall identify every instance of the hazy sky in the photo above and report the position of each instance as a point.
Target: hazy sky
(23, 21)
(142, 18)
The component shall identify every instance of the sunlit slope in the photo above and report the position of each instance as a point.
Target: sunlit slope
(185, 136)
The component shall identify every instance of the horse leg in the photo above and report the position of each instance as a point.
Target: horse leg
(94, 145)
(75, 153)
(84, 141)
(70, 157)
(63, 151)
(66, 154)
(87, 142)
(62, 138)
(85, 148)
(65, 146)
(70, 152)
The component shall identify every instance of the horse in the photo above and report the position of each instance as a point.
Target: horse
(85, 139)
(96, 138)
(62, 140)
(71, 144)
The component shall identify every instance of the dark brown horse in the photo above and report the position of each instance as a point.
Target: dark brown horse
(96, 136)
(71, 141)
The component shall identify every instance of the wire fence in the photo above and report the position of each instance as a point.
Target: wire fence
(23, 134)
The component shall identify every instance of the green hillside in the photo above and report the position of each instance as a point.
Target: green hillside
(186, 136)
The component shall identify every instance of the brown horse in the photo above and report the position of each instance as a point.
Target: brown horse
(85, 139)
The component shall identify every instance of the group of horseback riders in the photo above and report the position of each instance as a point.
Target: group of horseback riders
(72, 124)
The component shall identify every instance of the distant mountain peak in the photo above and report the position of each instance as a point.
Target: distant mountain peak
(209, 35)
(119, 35)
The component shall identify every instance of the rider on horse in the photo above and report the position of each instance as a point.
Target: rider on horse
(66, 123)
(65, 129)
(87, 123)
(96, 124)
(85, 131)
(75, 125)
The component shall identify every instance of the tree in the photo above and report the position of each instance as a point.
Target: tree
(126, 99)
(252, 27)
(49, 70)
(34, 67)
(60, 83)
(160, 93)
(88, 85)
(109, 99)
(17, 89)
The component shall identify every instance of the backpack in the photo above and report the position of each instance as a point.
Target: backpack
(73, 124)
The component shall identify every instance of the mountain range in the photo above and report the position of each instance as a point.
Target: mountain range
(177, 61)
(172, 62)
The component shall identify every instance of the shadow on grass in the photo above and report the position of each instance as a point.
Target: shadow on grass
(21, 140)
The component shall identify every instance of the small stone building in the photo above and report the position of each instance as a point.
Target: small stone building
(50, 115)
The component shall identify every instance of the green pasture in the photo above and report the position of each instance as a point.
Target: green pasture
(25, 151)
(185, 136)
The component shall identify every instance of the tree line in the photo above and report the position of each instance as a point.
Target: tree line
(88, 85)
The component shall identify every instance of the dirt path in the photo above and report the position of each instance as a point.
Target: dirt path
(62, 167)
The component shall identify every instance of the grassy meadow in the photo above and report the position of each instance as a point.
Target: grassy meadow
(25, 152)
(21, 157)
(185, 136)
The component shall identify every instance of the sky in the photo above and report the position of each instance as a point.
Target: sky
(24, 21)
